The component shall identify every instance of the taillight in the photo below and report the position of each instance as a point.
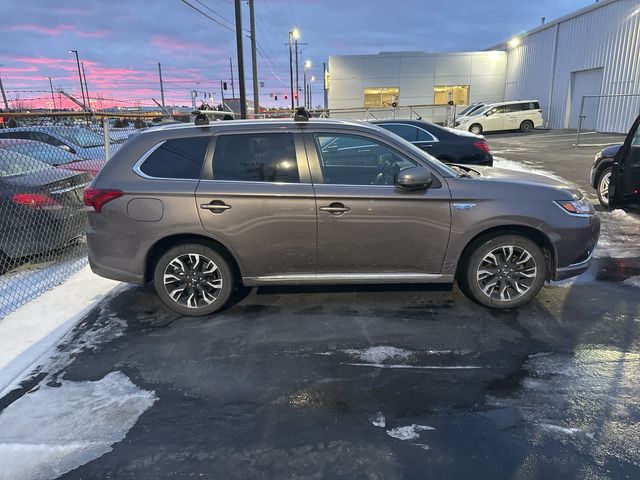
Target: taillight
(482, 145)
(98, 197)
(36, 201)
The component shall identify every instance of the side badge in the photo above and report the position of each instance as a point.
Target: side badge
(463, 206)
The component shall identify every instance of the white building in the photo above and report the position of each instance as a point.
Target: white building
(593, 51)
(415, 78)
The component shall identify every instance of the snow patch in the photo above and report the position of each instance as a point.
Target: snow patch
(409, 432)
(52, 430)
(632, 281)
(619, 235)
(380, 354)
(558, 429)
(419, 367)
(379, 421)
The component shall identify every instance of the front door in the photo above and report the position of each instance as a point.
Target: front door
(494, 119)
(366, 226)
(257, 199)
(625, 177)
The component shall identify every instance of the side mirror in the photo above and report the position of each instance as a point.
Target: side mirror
(414, 178)
(487, 113)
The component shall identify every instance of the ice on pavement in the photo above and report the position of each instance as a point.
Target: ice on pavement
(619, 235)
(589, 398)
(380, 353)
(409, 432)
(52, 430)
(633, 281)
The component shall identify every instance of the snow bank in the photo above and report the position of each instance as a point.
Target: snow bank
(33, 329)
(53, 430)
(409, 432)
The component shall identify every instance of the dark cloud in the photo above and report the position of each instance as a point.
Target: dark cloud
(121, 41)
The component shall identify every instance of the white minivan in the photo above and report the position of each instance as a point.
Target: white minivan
(523, 115)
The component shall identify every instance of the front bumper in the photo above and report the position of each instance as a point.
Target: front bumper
(574, 245)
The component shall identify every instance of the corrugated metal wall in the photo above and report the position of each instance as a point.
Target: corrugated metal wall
(608, 37)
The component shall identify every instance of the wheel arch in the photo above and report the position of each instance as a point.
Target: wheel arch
(533, 234)
(164, 244)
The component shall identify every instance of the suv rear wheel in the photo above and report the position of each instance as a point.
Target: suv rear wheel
(505, 271)
(193, 279)
(526, 126)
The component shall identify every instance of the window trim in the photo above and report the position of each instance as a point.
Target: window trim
(435, 139)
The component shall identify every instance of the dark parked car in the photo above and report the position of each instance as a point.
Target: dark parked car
(77, 140)
(199, 209)
(446, 144)
(627, 158)
(54, 156)
(41, 206)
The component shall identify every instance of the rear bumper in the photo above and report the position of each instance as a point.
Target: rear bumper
(114, 274)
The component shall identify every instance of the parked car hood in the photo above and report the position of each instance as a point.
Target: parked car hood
(518, 176)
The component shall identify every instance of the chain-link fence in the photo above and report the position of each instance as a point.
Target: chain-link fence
(46, 161)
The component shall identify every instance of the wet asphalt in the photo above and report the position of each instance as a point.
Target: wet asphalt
(382, 382)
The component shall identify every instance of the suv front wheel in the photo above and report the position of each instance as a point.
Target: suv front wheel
(193, 279)
(505, 271)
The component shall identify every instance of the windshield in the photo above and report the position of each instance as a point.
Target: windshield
(14, 163)
(471, 109)
(80, 137)
(442, 168)
(42, 151)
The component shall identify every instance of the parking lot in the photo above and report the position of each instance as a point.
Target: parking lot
(353, 382)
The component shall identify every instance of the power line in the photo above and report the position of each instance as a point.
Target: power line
(209, 16)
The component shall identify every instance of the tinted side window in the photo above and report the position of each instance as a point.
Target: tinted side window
(407, 132)
(424, 136)
(177, 158)
(20, 135)
(514, 107)
(268, 157)
(500, 109)
(533, 106)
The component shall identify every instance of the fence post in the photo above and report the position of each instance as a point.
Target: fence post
(107, 138)
(580, 118)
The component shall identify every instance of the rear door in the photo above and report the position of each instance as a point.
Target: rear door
(513, 116)
(625, 177)
(256, 198)
(367, 228)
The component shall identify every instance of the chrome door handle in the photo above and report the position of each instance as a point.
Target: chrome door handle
(216, 206)
(336, 208)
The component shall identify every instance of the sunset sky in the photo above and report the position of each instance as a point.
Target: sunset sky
(121, 41)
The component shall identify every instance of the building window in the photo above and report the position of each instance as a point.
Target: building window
(379, 97)
(458, 93)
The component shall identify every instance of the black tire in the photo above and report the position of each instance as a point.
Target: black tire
(196, 286)
(476, 129)
(470, 271)
(526, 126)
(602, 186)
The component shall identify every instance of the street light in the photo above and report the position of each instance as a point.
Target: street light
(293, 35)
(84, 102)
(307, 66)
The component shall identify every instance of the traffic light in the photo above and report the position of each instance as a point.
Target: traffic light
(224, 85)
(286, 97)
(276, 97)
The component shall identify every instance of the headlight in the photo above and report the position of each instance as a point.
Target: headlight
(576, 207)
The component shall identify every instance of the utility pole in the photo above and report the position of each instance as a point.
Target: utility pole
(233, 90)
(4, 96)
(86, 87)
(84, 102)
(324, 84)
(222, 93)
(254, 61)
(297, 74)
(292, 33)
(161, 85)
(243, 102)
(53, 98)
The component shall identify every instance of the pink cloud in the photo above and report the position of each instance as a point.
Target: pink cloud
(168, 44)
(55, 30)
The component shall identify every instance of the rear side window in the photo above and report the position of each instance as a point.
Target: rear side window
(179, 158)
(267, 157)
(407, 132)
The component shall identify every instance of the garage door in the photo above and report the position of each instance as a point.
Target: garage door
(585, 82)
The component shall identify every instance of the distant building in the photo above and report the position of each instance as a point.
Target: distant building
(593, 51)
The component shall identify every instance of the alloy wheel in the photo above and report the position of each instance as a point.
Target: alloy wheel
(603, 188)
(506, 273)
(192, 280)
